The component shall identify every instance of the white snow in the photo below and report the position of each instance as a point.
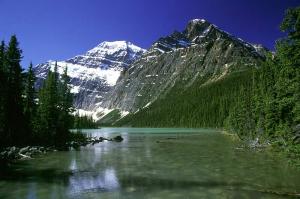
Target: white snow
(110, 48)
(75, 89)
(160, 50)
(110, 75)
(198, 20)
(124, 113)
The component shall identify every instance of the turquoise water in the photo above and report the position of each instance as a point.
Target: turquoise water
(153, 163)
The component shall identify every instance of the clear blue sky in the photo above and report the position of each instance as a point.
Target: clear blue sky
(60, 29)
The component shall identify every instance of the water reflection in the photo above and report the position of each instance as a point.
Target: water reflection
(152, 163)
(83, 182)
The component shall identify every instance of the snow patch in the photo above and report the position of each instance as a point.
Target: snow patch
(110, 75)
(75, 89)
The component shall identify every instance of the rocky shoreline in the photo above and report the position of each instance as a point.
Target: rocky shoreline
(10, 154)
(28, 152)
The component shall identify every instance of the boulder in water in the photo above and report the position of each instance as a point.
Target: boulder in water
(118, 138)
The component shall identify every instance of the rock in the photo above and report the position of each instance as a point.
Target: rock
(24, 150)
(10, 155)
(28, 153)
(118, 138)
(33, 148)
(13, 149)
(24, 156)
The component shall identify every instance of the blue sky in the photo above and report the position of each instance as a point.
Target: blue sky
(61, 29)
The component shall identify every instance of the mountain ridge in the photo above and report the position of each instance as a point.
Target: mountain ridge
(201, 51)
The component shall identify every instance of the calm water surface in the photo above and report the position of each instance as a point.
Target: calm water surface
(153, 163)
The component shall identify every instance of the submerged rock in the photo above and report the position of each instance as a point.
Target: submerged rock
(118, 138)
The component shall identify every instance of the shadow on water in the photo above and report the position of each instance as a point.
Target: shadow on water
(140, 183)
(27, 174)
(149, 184)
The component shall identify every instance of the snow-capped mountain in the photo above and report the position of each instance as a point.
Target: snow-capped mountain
(200, 53)
(94, 73)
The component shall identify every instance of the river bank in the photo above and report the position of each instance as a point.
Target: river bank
(11, 154)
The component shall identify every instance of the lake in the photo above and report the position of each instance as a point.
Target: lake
(153, 163)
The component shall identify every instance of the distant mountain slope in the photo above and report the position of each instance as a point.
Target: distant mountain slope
(94, 73)
(201, 54)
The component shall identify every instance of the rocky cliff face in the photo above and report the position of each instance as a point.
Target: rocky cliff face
(94, 73)
(202, 51)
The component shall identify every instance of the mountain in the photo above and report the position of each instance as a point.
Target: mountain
(200, 55)
(94, 73)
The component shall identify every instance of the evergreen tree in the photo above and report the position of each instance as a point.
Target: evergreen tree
(46, 124)
(65, 109)
(3, 91)
(54, 110)
(29, 101)
(14, 126)
(287, 84)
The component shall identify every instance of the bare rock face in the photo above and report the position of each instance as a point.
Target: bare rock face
(94, 73)
(202, 51)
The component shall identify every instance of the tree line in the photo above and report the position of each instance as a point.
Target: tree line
(29, 117)
(84, 122)
(270, 108)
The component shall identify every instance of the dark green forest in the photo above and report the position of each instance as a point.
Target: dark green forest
(84, 122)
(195, 106)
(28, 117)
(270, 110)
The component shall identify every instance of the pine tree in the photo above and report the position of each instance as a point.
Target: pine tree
(65, 109)
(14, 107)
(287, 84)
(290, 52)
(29, 101)
(3, 95)
(46, 124)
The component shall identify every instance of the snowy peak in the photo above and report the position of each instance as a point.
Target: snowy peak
(94, 73)
(116, 54)
(110, 48)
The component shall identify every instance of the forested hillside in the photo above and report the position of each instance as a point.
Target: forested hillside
(198, 105)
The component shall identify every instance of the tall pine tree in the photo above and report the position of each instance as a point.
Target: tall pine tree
(29, 101)
(3, 91)
(65, 109)
(47, 118)
(14, 126)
